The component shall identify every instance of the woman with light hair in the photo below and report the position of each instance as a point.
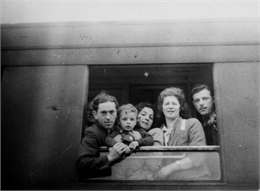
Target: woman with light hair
(180, 131)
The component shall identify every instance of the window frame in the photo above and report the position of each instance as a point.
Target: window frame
(172, 148)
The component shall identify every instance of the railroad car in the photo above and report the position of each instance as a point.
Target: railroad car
(51, 70)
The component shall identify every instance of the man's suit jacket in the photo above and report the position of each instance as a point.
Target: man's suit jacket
(89, 162)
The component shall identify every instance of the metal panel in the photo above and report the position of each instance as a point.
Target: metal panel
(42, 110)
(132, 55)
(146, 162)
(237, 101)
(135, 43)
(130, 34)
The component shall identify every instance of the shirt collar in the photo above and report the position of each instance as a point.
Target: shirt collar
(164, 128)
(176, 123)
(104, 129)
(124, 132)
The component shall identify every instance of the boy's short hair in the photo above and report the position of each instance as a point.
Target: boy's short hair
(127, 108)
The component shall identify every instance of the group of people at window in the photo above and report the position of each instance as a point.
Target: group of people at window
(124, 128)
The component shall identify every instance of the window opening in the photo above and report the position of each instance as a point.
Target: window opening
(139, 83)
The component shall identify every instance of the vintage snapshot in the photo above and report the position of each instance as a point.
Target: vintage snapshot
(130, 95)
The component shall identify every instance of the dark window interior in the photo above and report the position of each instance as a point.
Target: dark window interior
(136, 83)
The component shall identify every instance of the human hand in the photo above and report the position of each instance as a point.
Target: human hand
(127, 150)
(164, 172)
(133, 145)
(118, 138)
(116, 151)
(136, 135)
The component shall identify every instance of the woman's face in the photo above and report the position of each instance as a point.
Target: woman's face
(145, 118)
(171, 107)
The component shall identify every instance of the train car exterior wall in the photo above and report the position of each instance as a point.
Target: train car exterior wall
(45, 81)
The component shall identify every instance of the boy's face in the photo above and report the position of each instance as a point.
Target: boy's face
(127, 120)
(145, 118)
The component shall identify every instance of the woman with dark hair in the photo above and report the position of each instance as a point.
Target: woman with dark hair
(178, 131)
(145, 120)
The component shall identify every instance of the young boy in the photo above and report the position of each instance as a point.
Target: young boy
(128, 132)
(133, 136)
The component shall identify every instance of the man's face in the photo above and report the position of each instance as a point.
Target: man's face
(203, 102)
(106, 114)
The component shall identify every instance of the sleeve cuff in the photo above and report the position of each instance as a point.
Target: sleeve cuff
(104, 163)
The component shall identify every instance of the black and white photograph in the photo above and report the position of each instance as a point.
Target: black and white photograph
(130, 94)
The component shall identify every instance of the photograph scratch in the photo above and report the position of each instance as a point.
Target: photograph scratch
(66, 149)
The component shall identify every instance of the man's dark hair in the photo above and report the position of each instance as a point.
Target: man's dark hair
(103, 97)
(199, 87)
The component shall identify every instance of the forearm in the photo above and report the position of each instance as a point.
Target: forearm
(146, 141)
(182, 164)
(87, 163)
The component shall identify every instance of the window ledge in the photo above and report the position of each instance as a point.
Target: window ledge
(170, 148)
